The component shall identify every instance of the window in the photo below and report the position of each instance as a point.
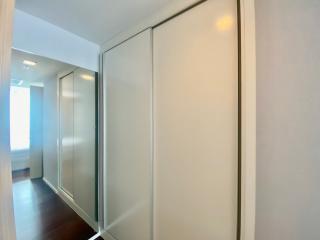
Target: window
(19, 118)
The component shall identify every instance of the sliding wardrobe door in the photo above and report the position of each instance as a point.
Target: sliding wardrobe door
(196, 124)
(128, 83)
(84, 141)
(66, 133)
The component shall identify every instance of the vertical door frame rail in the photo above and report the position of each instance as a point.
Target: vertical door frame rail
(7, 225)
(247, 47)
(247, 106)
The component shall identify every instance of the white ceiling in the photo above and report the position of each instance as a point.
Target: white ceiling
(95, 20)
(34, 75)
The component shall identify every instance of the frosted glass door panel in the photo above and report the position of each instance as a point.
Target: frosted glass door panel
(128, 77)
(66, 133)
(84, 141)
(195, 87)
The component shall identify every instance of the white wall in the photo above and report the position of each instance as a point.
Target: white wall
(288, 117)
(39, 37)
(50, 127)
(36, 132)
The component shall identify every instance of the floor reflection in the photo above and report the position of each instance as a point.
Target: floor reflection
(40, 214)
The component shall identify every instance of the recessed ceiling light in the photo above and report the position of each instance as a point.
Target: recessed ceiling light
(87, 77)
(29, 63)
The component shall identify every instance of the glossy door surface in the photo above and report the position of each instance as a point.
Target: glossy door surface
(67, 133)
(128, 82)
(84, 141)
(195, 116)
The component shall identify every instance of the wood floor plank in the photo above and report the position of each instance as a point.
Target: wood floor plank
(41, 214)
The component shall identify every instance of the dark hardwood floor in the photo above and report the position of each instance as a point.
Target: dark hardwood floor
(40, 214)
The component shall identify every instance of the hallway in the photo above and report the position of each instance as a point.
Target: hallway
(41, 214)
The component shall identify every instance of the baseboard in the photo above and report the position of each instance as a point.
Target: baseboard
(98, 235)
(50, 185)
(67, 199)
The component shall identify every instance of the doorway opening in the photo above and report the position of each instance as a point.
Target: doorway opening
(20, 130)
(42, 208)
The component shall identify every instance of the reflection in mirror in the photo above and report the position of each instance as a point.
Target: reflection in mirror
(53, 148)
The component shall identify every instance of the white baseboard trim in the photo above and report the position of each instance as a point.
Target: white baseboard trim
(95, 236)
(50, 185)
(68, 200)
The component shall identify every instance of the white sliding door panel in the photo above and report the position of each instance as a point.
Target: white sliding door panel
(196, 107)
(84, 141)
(67, 133)
(128, 84)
